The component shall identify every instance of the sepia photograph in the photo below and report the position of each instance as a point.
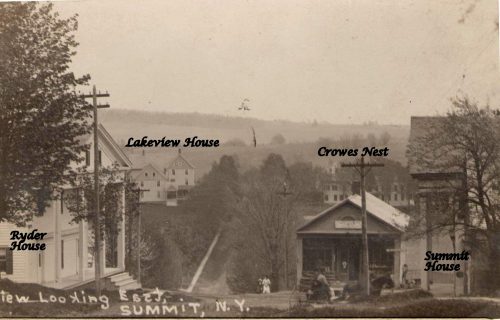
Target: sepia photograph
(249, 159)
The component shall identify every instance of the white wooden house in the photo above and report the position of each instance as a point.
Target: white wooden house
(166, 180)
(68, 258)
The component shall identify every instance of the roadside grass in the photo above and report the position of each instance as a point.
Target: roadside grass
(423, 308)
(38, 309)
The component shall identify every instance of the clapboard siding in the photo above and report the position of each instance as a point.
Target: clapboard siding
(21, 259)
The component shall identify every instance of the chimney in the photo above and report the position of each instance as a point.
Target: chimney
(356, 187)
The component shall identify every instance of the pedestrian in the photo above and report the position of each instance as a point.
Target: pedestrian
(404, 279)
(266, 285)
(324, 286)
(259, 286)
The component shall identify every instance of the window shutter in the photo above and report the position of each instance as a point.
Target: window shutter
(87, 158)
(9, 262)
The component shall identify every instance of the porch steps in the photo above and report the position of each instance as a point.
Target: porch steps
(124, 281)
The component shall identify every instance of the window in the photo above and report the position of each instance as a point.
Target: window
(402, 197)
(158, 194)
(334, 197)
(334, 187)
(62, 254)
(87, 158)
(187, 172)
(62, 202)
(6, 260)
(154, 174)
(145, 174)
(164, 170)
(187, 182)
(326, 197)
(395, 197)
(341, 197)
(158, 183)
(173, 171)
(142, 183)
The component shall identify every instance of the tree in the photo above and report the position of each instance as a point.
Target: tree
(209, 209)
(464, 147)
(266, 213)
(278, 139)
(41, 115)
(384, 139)
(80, 202)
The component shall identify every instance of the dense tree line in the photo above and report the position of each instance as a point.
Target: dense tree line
(41, 115)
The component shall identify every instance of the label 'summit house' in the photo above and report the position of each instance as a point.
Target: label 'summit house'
(68, 257)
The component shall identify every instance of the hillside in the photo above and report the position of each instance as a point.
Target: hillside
(302, 138)
(127, 123)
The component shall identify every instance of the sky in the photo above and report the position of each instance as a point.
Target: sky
(340, 61)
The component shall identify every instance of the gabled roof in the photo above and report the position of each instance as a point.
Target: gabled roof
(163, 160)
(106, 139)
(374, 206)
(138, 172)
(172, 164)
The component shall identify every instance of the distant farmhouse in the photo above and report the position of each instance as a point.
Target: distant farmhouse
(167, 179)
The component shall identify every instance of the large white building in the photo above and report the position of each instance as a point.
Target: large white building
(338, 188)
(166, 180)
(68, 258)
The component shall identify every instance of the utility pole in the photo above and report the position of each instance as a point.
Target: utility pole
(285, 193)
(361, 168)
(139, 234)
(97, 225)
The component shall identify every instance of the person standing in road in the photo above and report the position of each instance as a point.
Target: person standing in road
(266, 285)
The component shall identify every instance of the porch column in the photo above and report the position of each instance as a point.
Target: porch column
(299, 259)
(57, 240)
(397, 262)
(120, 246)
(103, 256)
(82, 249)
